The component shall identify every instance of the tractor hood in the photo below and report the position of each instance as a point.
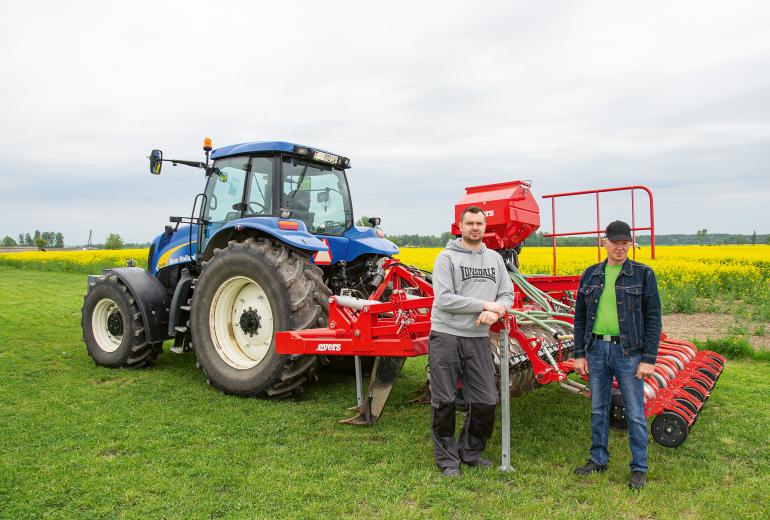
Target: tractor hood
(170, 249)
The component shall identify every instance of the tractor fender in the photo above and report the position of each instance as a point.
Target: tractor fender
(151, 298)
(181, 295)
(366, 240)
(297, 238)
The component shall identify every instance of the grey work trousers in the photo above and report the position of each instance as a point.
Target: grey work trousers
(468, 360)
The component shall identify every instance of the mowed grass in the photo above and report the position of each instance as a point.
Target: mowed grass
(82, 441)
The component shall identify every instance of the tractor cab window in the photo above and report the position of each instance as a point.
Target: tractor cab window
(318, 195)
(223, 192)
(260, 197)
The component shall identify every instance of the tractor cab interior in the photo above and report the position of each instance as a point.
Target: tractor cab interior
(318, 195)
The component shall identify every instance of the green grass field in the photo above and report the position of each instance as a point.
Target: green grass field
(82, 441)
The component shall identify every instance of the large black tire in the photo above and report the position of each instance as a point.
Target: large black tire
(113, 330)
(272, 288)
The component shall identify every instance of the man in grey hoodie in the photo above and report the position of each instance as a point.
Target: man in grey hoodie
(472, 290)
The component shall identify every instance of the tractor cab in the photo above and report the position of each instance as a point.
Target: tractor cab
(268, 180)
(292, 193)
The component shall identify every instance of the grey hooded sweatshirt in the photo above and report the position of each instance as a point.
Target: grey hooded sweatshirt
(462, 281)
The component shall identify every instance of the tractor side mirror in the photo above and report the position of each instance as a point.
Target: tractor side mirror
(156, 159)
(375, 221)
(323, 196)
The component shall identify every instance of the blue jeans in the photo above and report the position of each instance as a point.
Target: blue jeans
(606, 360)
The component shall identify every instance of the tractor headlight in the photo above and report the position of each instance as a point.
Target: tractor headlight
(323, 157)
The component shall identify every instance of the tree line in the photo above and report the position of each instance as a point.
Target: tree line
(53, 239)
(41, 240)
(702, 237)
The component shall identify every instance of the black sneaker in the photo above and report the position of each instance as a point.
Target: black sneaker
(451, 472)
(481, 463)
(589, 467)
(638, 480)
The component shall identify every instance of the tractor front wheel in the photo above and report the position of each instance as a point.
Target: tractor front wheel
(113, 330)
(246, 292)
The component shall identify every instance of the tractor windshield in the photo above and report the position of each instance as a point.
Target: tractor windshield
(318, 195)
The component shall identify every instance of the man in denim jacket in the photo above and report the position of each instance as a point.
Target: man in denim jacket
(617, 330)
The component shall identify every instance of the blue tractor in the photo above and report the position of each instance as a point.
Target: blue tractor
(271, 237)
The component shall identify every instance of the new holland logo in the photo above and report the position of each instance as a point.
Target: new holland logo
(328, 347)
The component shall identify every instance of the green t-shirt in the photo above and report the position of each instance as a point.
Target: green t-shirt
(607, 313)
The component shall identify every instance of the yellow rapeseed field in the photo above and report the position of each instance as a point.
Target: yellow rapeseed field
(705, 271)
(90, 261)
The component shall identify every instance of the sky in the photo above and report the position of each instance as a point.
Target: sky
(425, 98)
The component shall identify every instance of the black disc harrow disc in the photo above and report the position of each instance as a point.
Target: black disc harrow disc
(695, 393)
(669, 429)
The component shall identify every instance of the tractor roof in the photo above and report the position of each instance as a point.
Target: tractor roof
(257, 147)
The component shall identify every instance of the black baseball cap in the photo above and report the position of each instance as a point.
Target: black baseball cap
(617, 231)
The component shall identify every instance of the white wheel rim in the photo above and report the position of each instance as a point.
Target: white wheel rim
(107, 341)
(237, 348)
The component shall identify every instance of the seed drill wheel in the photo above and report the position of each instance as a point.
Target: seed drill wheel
(669, 429)
(246, 292)
(113, 330)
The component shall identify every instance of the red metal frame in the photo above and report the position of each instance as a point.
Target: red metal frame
(398, 327)
(598, 231)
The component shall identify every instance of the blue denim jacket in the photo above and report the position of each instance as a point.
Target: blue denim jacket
(638, 309)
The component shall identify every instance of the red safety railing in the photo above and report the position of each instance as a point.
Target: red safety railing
(599, 230)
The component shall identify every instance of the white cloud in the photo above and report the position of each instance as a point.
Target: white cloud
(426, 98)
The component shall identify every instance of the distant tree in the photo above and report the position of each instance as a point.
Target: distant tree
(59, 241)
(36, 236)
(113, 241)
(21, 239)
(48, 237)
(40, 243)
(28, 240)
(754, 238)
(9, 242)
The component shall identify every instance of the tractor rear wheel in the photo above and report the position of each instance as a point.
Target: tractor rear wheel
(246, 292)
(113, 330)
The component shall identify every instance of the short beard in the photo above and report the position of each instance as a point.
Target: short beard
(471, 241)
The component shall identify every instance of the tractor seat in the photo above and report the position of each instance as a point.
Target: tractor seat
(300, 208)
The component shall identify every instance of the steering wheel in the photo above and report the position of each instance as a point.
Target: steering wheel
(262, 210)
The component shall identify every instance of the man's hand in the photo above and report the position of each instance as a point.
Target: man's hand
(487, 318)
(644, 370)
(581, 366)
(495, 307)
